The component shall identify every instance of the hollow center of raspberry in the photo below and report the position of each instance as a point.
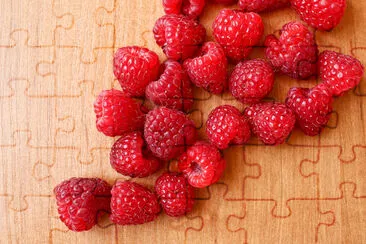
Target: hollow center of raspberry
(196, 168)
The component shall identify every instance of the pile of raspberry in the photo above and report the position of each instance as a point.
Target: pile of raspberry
(151, 137)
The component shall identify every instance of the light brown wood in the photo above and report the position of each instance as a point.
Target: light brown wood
(56, 56)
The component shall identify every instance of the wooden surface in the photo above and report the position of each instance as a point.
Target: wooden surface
(55, 57)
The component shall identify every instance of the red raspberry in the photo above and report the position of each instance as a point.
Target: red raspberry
(226, 2)
(179, 36)
(320, 14)
(202, 164)
(251, 81)
(135, 67)
(272, 122)
(133, 204)
(209, 69)
(79, 201)
(262, 5)
(312, 107)
(117, 114)
(176, 195)
(340, 72)
(295, 53)
(190, 8)
(225, 125)
(129, 156)
(173, 89)
(237, 32)
(168, 132)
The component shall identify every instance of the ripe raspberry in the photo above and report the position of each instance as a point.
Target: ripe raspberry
(168, 132)
(225, 125)
(251, 81)
(129, 156)
(272, 122)
(340, 72)
(226, 2)
(117, 114)
(133, 204)
(135, 67)
(173, 89)
(208, 70)
(179, 36)
(262, 5)
(176, 195)
(320, 14)
(237, 32)
(190, 8)
(295, 53)
(79, 201)
(312, 107)
(202, 164)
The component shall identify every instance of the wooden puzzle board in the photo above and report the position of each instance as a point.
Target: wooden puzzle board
(56, 56)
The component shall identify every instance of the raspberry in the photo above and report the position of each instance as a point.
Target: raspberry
(272, 122)
(175, 194)
(135, 67)
(237, 32)
(320, 14)
(202, 164)
(225, 125)
(79, 201)
(179, 36)
(173, 89)
(117, 114)
(251, 81)
(133, 204)
(312, 107)
(190, 8)
(168, 132)
(208, 70)
(129, 156)
(340, 72)
(295, 53)
(226, 2)
(262, 5)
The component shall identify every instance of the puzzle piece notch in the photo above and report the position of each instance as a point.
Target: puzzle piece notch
(262, 226)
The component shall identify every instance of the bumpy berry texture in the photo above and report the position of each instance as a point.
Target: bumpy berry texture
(312, 107)
(237, 32)
(190, 8)
(133, 204)
(175, 194)
(320, 14)
(251, 81)
(226, 125)
(179, 36)
(135, 67)
(226, 2)
(294, 53)
(167, 132)
(208, 70)
(173, 89)
(129, 156)
(202, 164)
(262, 5)
(117, 114)
(271, 122)
(80, 200)
(340, 72)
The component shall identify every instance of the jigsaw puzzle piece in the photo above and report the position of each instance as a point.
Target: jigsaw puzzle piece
(261, 226)
(331, 171)
(33, 16)
(21, 226)
(22, 112)
(19, 61)
(85, 21)
(350, 216)
(65, 72)
(214, 213)
(280, 177)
